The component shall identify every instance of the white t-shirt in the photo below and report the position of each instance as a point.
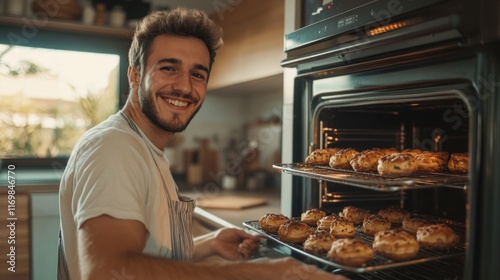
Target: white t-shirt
(112, 171)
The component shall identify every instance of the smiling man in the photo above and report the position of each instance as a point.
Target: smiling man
(122, 216)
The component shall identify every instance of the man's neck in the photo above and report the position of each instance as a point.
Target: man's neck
(156, 135)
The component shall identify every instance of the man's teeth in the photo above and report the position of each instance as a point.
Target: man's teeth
(177, 103)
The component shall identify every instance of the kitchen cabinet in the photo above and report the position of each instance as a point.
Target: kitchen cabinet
(44, 234)
(253, 46)
(29, 27)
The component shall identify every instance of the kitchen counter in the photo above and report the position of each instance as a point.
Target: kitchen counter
(235, 217)
(213, 219)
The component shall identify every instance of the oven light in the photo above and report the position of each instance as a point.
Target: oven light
(387, 28)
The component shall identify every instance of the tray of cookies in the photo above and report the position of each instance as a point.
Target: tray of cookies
(359, 241)
(374, 181)
(384, 169)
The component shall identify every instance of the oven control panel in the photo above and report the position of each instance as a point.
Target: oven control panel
(341, 16)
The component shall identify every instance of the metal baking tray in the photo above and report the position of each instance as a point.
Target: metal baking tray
(378, 262)
(374, 181)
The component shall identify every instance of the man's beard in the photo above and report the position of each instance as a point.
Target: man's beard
(173, 125)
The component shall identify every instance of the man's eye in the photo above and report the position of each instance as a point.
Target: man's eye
(198, 75)
(167, 68)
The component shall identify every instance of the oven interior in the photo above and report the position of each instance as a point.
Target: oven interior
(433, 125)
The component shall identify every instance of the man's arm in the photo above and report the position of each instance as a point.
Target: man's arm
(111, 248)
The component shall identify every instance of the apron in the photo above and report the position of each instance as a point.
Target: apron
(180, 214)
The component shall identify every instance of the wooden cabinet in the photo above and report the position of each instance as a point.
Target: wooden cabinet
(15, 231)
(32, 25)
(253, 43)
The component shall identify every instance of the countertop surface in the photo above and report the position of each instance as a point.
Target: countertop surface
(236, 217)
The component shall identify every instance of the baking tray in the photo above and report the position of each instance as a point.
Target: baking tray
(374, 181)
(378, 262)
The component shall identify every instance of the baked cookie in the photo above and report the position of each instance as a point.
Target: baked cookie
(350, 252)
(396, 244)
(432, 161)
(325, 222)
(375, 223)
(412, 224)
(271, 222)
(320, 156)
(437, 236)
(459, 163)
(342, 158)
(312, 216)
(342, 227)
(318, 243)
(354, 214)
(396, 165)
(366, 161)
(294, 231)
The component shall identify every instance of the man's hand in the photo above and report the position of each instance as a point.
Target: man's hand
(234, 244)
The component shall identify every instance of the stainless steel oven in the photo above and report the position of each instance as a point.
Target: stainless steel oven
(400, 74)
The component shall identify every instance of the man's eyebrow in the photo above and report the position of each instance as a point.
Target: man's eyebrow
(178, 61)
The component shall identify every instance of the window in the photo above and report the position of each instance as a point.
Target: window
(50, 97)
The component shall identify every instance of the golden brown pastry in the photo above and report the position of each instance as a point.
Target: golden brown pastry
(325, 222)
(411, 224)
(321, 156)
(394, 214)
(396, 244)
(294, 231)
(318, 242)
(432, 161)
(342, 227)
(397, 165)
(459, 163)
(375, 223)
(341, 159)
(350, 252)
(312, 216)
(271, 222)
(366, 161)
(437, 236)
(413, 152)
(354, 214)
(387, 151)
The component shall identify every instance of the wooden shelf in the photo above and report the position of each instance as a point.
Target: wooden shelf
(68, 26)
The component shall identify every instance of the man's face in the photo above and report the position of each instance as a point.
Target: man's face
(174, 81)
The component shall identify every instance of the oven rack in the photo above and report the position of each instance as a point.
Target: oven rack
(374, 181)
(378, 262)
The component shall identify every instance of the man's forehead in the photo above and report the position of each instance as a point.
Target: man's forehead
(180, 46)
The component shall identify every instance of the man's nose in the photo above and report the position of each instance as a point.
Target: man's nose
(182, 83)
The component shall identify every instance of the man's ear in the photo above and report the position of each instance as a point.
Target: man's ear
(133, 77)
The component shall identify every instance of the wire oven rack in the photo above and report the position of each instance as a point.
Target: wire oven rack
(378, 262)
(374, 181)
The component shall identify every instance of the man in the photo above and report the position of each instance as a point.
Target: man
(121, 214)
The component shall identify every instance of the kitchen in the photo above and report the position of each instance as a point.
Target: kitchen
(237, 93)
(271, 119)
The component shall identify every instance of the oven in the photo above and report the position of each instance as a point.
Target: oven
(397, 74)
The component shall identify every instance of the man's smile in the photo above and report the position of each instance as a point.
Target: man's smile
(175, 102)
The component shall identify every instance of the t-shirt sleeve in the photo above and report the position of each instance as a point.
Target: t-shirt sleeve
(111, 178)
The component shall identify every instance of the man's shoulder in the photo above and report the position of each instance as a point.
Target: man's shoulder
(113, 133)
